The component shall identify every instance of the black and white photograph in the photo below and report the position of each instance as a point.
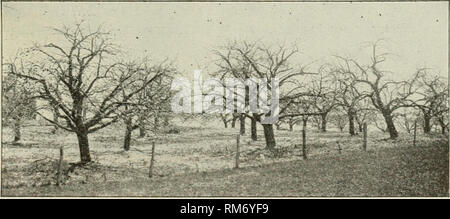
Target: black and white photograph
(224, 99)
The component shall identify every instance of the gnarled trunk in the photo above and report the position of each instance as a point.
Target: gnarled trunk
(269, 136)
(390, 125)
(83, 144)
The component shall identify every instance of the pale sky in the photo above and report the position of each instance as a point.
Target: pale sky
(417, 33)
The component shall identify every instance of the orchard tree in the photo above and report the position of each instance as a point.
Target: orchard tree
(324, 92)
(81, 70)
(152, 101)
(386, 95)
(432, 100)
(347, 96)
(18, 102)
(255, 60)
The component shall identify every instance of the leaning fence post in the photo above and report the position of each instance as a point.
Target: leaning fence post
(365, 136)
(61, 157)
(237, 152)
(150, 172)
(415, 132)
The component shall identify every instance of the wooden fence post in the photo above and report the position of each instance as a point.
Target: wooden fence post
(365, 136)
(61, 158)
(150, 173)
(237, 152)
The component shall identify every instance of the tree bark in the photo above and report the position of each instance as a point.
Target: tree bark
(426, 124)
(304, 150)
(83, 144)
(225, 122)
(390, 125)
(142, 130)
(269, 136)
(16, 128)
(156, 125)
(253, 129)
(242, 124)
(127, 137)
(233, 121)
(360, 127)
(351, 123)
(324, 122)
(55, 120)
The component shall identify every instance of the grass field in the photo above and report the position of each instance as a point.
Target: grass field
(199, 162)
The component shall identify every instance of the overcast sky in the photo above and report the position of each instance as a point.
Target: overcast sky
(417, 33)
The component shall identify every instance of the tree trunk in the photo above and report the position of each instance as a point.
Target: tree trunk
(141, 127)
(324, 122)
(55, 120)
(83, 144)
(17, 134)
(426, 124)
(242, 124)
(304, 150)
(390, 125)
(233, 121)
(443, 127)
(127, 137)
(360, 127)
(156, 125)
(351, 123)
(269, 136)
(253, 129)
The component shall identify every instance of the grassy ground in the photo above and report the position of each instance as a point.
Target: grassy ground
(199, 161)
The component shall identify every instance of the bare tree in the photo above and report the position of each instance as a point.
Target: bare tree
(17, 101)
(325, 96)
(254, 60)
(347, 96)
(339, 119)
(385, 95)
(431, 99)
(150, 101)
(81, 70)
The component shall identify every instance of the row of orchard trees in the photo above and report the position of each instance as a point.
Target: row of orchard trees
(346, 91)
(84, 80)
